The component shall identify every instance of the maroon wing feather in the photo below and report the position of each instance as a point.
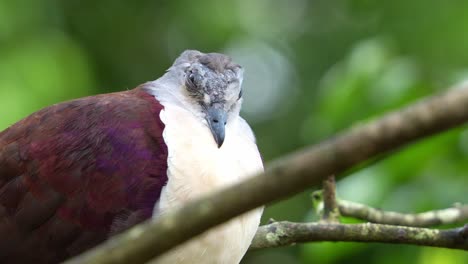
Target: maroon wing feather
(74, 173)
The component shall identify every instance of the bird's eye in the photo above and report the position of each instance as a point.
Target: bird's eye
(192, 78)
(191, 81)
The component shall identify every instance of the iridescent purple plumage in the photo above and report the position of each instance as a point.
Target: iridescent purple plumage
(74, 173)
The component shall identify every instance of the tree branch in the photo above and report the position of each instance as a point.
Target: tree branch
(456, 214)
(330, 205)
(287, 233)
(383, 229)
(284, 177)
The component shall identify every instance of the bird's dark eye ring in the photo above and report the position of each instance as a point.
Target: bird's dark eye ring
(191, 78)
(190, 83)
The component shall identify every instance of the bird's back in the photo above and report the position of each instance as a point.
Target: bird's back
(76, 172)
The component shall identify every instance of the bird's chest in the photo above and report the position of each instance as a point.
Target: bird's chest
(225, 244)
(196, 166)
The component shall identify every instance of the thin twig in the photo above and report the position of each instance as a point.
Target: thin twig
(284, 177)
(287, 233)
(330, 205)
(456, 214)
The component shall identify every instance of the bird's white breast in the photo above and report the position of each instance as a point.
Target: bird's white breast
(196, 166)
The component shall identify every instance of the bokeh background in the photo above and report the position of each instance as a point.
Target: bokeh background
(312, 68)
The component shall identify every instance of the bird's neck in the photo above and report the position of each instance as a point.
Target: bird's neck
(169, 91)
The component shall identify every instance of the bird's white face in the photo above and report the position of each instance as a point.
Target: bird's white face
(212, 84)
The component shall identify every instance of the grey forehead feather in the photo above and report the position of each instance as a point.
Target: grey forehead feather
(218, 62)
(188, 56)
(210, 74)
(215, 61)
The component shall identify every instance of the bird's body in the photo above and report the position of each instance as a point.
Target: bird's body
(75, 173)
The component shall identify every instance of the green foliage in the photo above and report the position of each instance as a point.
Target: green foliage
(48, 65)
(313, 68)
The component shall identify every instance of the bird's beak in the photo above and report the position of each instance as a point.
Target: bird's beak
(216, 117)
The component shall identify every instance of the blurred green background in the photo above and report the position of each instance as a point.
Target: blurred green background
(312, 68)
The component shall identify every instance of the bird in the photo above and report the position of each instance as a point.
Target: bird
(76, 173)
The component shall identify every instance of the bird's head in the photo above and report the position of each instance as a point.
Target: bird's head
(211, 86)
